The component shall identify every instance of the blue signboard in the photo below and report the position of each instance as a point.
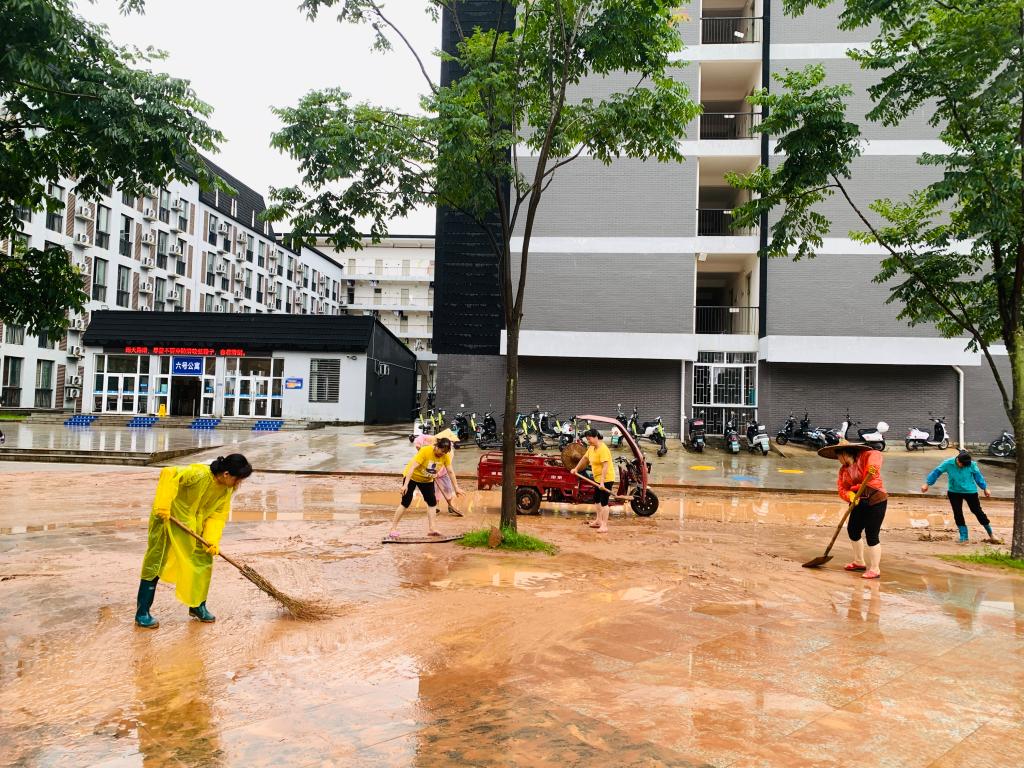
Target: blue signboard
(293, 383)
(187, 366)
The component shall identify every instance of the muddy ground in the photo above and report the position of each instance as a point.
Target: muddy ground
(692, 638)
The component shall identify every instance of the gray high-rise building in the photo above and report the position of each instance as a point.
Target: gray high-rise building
(640, 286)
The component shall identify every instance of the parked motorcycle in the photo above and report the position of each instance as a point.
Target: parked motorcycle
(648, 430)
(872, 437)
(426, 423)
(730, 437)
(460, 426)
(757, 437)
(695, 434)
(920, 438)
(804, 434)
(1003, 446)
(616, 432)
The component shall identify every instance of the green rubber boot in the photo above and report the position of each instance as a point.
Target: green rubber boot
(144, 601)
(200, 612)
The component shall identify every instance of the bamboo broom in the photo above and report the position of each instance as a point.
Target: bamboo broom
(305, 610)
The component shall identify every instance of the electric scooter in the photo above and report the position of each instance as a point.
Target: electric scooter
(616, 432)
(872, 437)
(919, 438)
(695, 435)
(1003, 446)
(757, 437)
(731, 437)
(486, 433)
(649, 430)
(460, 426)
(791, 434)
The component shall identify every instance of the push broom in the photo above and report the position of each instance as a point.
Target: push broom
(305, 610)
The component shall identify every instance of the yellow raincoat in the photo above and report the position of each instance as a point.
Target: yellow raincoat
(194, 497)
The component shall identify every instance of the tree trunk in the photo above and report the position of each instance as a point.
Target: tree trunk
(508, 437)
(1017, 541)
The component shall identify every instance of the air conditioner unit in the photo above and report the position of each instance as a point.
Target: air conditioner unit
(71, 392)
(238, 276)
(148, 239)
(148, 213)
(224, 228)
(175, 250)
(74, 351)
(238, 294)
(74, 381)
(84, 212)
(174, 296)
(221, 269)
(217, 308)
(177, 205)
(82, 240)
(144, 308)
(76, 325)
(272, 289)
(147, 262)
(240, 237)
(80, 264)
(146, 287)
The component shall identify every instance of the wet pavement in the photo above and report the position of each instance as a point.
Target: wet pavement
(56, 437)
(693, 638)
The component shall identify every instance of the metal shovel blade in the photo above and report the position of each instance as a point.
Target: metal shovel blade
(817, 562)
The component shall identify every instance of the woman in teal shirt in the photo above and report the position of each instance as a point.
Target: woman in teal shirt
(964, 479)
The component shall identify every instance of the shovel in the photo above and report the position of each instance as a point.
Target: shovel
(820, 561)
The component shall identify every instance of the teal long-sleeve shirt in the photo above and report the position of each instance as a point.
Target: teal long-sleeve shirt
(961, 479)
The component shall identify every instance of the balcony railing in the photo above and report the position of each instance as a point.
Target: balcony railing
(726, 320)
(730, 30)
(728, 125)
(713, 222)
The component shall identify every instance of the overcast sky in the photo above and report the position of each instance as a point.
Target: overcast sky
(245, 56)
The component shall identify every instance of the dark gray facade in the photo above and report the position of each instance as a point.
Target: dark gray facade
(568, 387)
(902, 396)
(983, 402)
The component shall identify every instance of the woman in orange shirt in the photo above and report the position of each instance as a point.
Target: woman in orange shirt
(858, 465)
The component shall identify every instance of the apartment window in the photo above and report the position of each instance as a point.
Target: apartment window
(208, 302)
(18, 239)
(102, 226)
(305, 276)
(250, 244)
(124, 245)
(127, 199)
(44, 384)
(324, 381)
(165, 206)
(351, 266)
(14, 334)
(55, 218)
(24, 213)
(183, 215)
(403, 324)
(124, 278)
(182, 250)
(291, 269)
(210, 277)
(10, 385)
(108, 190)
(224, 305)
(261, 254)
(211, 234)
(159, 294)
(99, 280)
(45, 342)
(350, 295)
(248, 283)
(161, 249)
(259, 289)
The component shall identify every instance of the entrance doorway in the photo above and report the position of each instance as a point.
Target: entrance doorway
(185, 394)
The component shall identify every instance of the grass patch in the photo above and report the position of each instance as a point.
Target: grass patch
(11, 417)
(991, 557)
(512, 541)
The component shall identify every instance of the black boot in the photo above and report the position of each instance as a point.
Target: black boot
(200, 612)
(144, 601)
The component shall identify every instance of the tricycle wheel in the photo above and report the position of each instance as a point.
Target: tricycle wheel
(528, 500)
(645, 507)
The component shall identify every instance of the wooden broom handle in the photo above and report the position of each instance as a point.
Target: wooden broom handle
(586, 479)
(201, 540)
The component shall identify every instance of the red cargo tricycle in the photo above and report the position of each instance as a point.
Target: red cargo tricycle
(545, 478)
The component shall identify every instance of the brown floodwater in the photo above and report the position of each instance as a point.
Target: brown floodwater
(690, 638)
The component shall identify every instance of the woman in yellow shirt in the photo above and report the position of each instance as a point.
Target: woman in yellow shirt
(199, 496)
(600, 460)
(420, 473)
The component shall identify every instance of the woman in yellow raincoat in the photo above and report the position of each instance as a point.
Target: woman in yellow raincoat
(200, 497)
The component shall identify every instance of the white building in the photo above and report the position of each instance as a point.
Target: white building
(394, 281)
(174, 249)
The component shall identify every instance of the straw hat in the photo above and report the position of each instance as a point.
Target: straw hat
(447, 433)
(830, 451)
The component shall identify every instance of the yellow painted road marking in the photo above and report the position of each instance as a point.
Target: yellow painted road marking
(791, 471)
(703, 468)
(366, 445)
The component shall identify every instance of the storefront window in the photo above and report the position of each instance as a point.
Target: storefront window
(254, 387)
(121, 384)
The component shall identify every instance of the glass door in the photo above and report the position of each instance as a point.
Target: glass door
(121, 384)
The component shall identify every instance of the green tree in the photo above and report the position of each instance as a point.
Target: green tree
(75, 105)
(462, 150)
(955, 248)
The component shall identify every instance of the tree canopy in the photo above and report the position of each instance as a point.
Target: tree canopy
(75, 105)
